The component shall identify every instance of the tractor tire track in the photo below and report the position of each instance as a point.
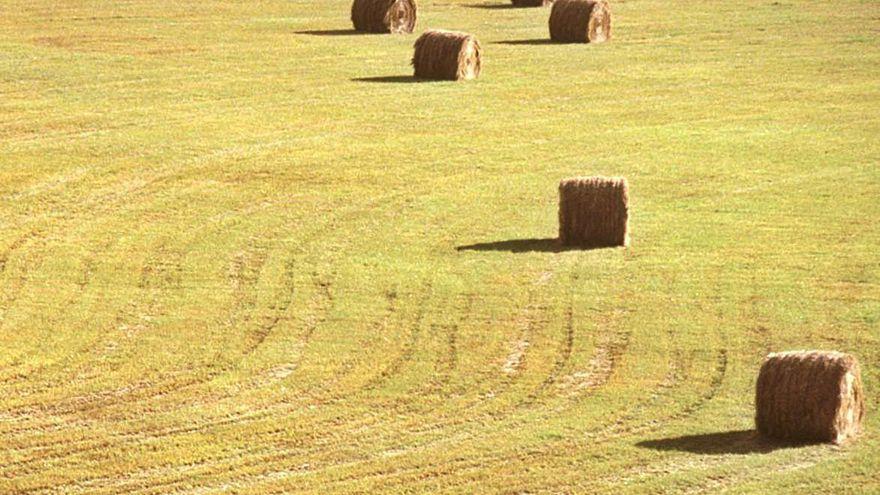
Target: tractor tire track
(560, 364)
(219, 465)
(146, 435)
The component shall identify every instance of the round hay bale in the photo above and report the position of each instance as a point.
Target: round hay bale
(580, 21)
(531, 3)
(447, 55)
(384, 16)
(809, 396)
(594, 212)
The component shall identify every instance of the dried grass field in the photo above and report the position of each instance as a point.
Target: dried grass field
(243, 251)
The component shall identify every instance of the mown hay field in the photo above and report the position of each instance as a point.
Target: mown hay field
(242, 250)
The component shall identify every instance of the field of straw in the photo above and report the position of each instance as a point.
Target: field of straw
(243, 250)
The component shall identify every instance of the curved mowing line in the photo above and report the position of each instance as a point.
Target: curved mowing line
(406, 354)
(614, 349)
(89, 445)
(60, 382)
(446, 364)
(560, 364)
(489, 416)
(144, 283)
(461, 463)
(163, 391)
(563, 357)
(612, 429)
(528, 328)
(419, 473)
(161, 176)
(390, 313)
(320, 230)
(137, 435)
(424, 473)
(225, 420)
(79, 404)
(330, 423)
(7, 301)
(257, 338)
(141, 436)
(108, 200)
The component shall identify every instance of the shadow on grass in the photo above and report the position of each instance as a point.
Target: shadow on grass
(547, 245)
(539, 41)
(729, 442)
(492, 6)
(392, 79)
(334, 32)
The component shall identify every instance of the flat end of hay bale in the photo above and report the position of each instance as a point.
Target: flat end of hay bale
(594, 212)
(580, 21)
(447, 55)
(384, 16)
(810, 396)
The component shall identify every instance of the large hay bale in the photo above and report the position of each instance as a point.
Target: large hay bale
(448, 55)
(531, 3)
(384, 16)
(594, 211)
(808, 396)
(580, 21)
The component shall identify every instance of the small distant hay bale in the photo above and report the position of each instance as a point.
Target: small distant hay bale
(384, 16)
(810, 396)
(531, 3)
(594, 212)
(447, 55)
(580, 21)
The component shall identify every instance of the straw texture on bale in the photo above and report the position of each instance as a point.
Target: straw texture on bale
(580, 21)
(531, 3)
(447, 55)
(809, 396)
(594, 211)
(384, 16)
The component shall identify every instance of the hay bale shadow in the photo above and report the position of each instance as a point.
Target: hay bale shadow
(333, 32)
(492, 6)
(392, 79)
(546, 245)
(533, 42)
(740, 442)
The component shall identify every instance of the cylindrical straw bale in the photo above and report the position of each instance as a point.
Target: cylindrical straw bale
(809, 396)
(384, 16)
(580, 21)
(594, 212)
(448, 55)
